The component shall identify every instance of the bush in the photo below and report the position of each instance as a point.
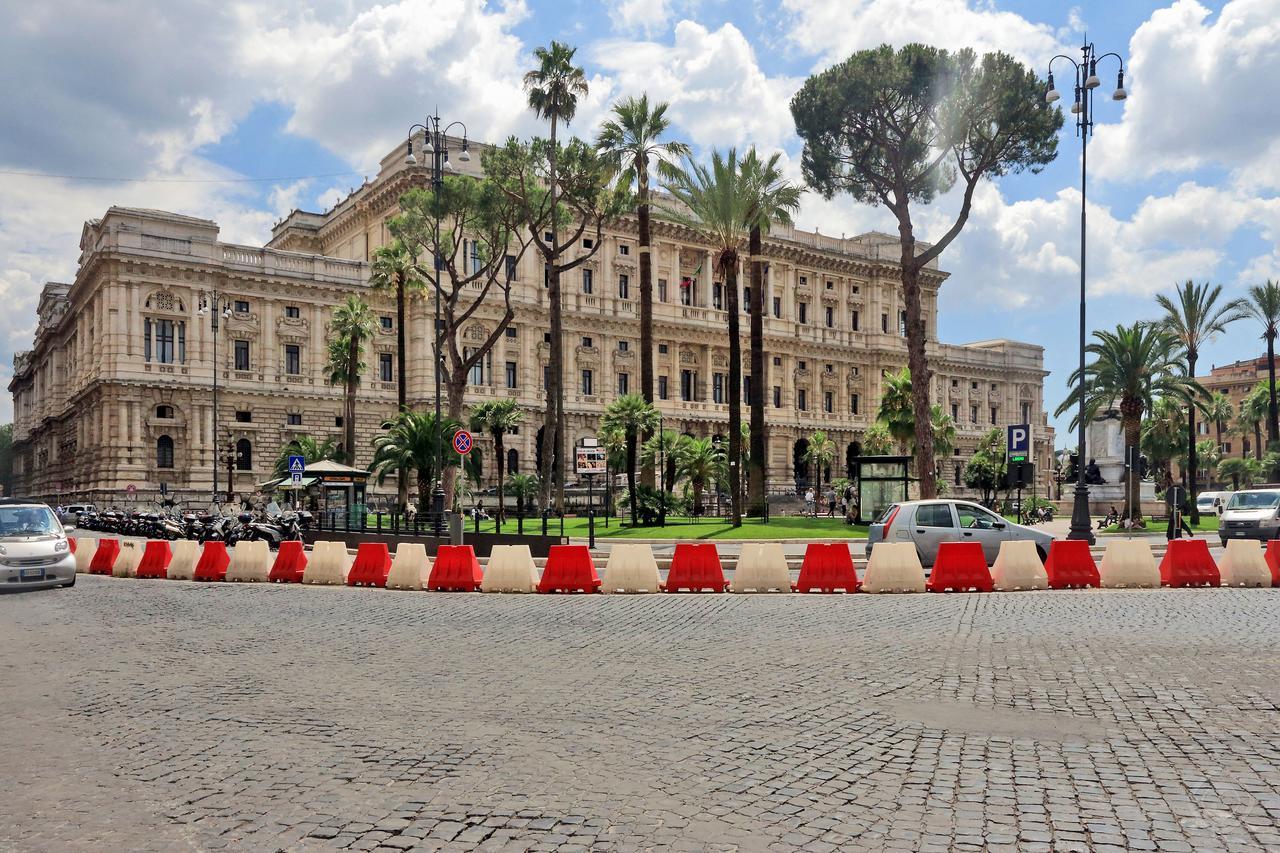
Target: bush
(649, 504)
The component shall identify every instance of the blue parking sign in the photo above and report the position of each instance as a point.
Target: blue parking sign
(1019, 444)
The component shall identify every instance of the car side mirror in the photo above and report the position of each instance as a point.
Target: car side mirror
(1000, 525)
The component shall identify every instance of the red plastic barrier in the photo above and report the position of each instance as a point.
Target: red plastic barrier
(1187, 563)
(1273, 561)
(827, 568)
(960, 567)
(104, 559)
(371, 566)
(1071, 565)
(291, 562)
(71, 543)
(456, 569)
(213, 562)
(569, 569)
(155, 560)
(695, 567)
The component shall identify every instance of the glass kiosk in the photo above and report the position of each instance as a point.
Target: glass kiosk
(880, 481)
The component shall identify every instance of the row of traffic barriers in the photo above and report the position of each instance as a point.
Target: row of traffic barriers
(695, 567)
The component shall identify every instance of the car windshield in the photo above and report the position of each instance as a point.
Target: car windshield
(1204, 501)
(1254, 500)
(27, 521)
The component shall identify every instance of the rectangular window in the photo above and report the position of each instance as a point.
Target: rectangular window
(955, 412)
(884, 323)
(337, 421)
(777, 396)
(509, 262)
(717, 296)
(831, 317)
(853, 321)
(662, 387)
(292, 312)
(828, 401)
(803, 280)
(624, 384)
(1026, 418)
(624, 249)
(510, 331)
(385, 372)
(546, 337)
(973, 414)
(802, 402)
(662, 290)
(146, 339)
(687, 389)
(182, 341)
(803, 313)
(994, 410)
(973, 386)
(853, 404)
(624, 286)
(587, 343)
(242, 306)
(746, 300)
(242, 355)
(955, 383)
(546, 275)
(686, 291)
(777, 306)
(587, 387)
(546, 378)
(481, 369)
(588, 243)
(902, 323)
(623, 346)
(292, 359)
(717, 387)
(746, 390)
(586, 281)
(957, 475)
(387, 322)
(548, 237)
(511, 374)
(477, 263)
(164, 341)
(243, 417)
(293, 419)
(662, 349)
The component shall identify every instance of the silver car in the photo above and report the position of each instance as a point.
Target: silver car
(34, 552)
(927, 524)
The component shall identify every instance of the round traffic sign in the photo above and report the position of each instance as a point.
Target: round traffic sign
(462, 442)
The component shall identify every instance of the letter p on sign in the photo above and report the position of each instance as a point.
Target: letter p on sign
(1019, 444)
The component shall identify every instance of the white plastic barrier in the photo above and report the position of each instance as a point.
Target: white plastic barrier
(185, 554)
(1128, 563)
(1018, 566)
(410, 568)
(1244, 564)
(85, 548)
(761, 567)
(631, 568)
(510, 569)
(126, 565)
(894, 567)
(329, 564)
(250, 561)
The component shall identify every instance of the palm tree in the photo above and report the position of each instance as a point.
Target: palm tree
(877, 441)
(498, 417)
(774, 201)
(1163, 439)
(524, 487)
(1239, 470)
(700, 461)
(308, 447)
(630, 140)
(1210, 454)
(394, 269)
(1219, 410)
(553, 89)
(1194, 318)
(1263, 305)
(896, 409)
(632, 416)
(1253, 411)
(1134, 364)
(819, 453)
(413, 441)
(660, 449)
(944, 432)
(352, 325)
(719, 202)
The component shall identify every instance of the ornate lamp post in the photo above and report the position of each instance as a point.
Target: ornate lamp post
(1086, 80)
(436, 146)
(211, 304)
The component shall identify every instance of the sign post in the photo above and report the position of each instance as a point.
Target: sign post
(589, 460)
(462, 444)
(297, 465)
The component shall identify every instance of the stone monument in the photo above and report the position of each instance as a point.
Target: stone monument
(1104, 447)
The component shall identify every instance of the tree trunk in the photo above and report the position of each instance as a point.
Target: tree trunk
(631, 473)
(921, 379)
(759, 470)
(455, 392)
(1131, 418)
(424, 492)
(1273, 428)
(551, 417)
(1257, 440)
(729, 261)
(1191, 444)
(501, 514)
(646, 309)
(349, 413)
(402, 475)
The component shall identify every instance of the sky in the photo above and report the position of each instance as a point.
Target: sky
(241, 110)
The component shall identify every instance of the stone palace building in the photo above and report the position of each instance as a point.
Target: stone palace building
(117, 389)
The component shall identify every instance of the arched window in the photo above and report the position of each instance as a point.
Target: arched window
(164, 412)
(164, 452)
(244, 455)
(513, 461)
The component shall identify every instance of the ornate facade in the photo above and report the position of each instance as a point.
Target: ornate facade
(118, 387)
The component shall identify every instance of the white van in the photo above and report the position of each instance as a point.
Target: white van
(1212, 503)
(1251, 514)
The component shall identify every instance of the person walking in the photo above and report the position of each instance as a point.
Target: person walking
(810, 507)
(831, 502)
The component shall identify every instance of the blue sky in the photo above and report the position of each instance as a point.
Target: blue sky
(196, 97)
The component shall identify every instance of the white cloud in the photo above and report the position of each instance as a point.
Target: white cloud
(646, 16)
(834, 29)
(1200, 95)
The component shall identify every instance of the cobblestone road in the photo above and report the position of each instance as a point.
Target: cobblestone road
(161, 715)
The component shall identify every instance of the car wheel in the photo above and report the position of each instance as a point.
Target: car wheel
(71, 582)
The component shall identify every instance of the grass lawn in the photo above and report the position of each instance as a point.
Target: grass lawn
(1208, 524)
(790, 527)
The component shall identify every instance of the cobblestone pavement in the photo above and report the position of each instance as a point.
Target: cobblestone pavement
(162, 715)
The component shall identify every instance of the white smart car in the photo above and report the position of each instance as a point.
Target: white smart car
(34, 551)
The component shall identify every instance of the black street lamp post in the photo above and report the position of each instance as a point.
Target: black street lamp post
(435, 144)
(1085, 81)
(211, 304)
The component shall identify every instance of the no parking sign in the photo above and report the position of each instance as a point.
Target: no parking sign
(462, 442)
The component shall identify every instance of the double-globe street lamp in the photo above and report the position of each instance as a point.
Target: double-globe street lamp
(1086, 80)
(211, 303)
(436, 146)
